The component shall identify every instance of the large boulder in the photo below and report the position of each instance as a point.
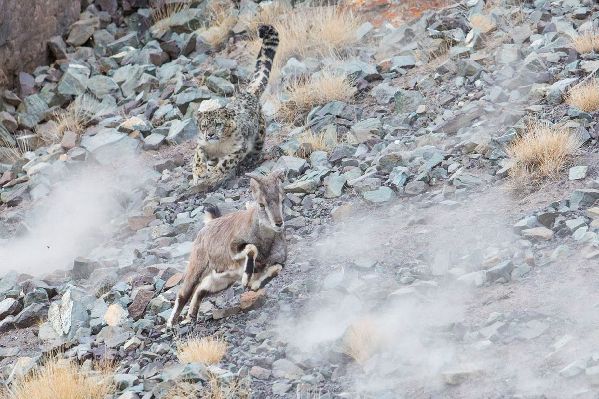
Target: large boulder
(23, 45)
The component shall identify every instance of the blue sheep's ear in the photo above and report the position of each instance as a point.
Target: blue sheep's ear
(279, 174)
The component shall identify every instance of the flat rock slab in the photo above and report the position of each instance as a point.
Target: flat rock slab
(252, 299)
(139, 304)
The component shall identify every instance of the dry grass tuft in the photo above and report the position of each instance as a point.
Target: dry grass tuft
(13, 151)
(585, 96)
(310, 142)
(221, 19)
(232, 389)
(587, 42)
(362, 340)
(183, 390)
(61, 379)
(161, 16)
(308, 31)
(80, 114)
(542, 152)
(305, 94)
(207, 350)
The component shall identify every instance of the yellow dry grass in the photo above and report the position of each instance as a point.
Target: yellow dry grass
(80, 114)
(221, 19)
(542, 152)
(585, 96)
(215, 389)
(232, 389)
(182, 390)
(586, 42)
(305, 31)
(161, 16)
(61, 379)
(13, 151)
(207, 350)
(310, 142)
(304, 94)
(362, 340)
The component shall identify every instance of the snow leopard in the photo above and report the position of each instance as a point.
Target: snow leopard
(234, 134)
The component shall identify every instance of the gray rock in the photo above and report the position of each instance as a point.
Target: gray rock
(57, 47)
(194, 372)
(109, 146)
(583, 198)
(220, 85)
(467, 67)
(341, 151)
(365, 130)
(384, 92)
(38, 295)
(407, 101)
(124, 381)
(293, 165)
(557, 90)
(381, 194)
(460, 374)
(538, 233)
(101, 85)
(182, 130)
(114, 337)
(22, 367)
(8, 307)
(399, 176)
(153, 141)
(466, 180)
(280, 388)
(307, 184)
(573, 369)
(533, 329)
(578, 172)
(82, 30)
(387, 162)
(191, 94)
(68, 314)
(283, 368)
(319, 159)
(294, 69)
(574, 224)
(592, 374)
(508, 53)
(74, 81)
(461, 119)
(334, 184)
(133, 124)
(500, 273)
(403, 61)
(355, 69)
(130, 39)
(477, 278)
(415, 187)
(82, 268)
(31, 315)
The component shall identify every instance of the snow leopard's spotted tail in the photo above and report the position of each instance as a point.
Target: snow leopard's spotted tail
(270, 41)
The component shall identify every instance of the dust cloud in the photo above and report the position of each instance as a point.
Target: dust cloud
(84, 205)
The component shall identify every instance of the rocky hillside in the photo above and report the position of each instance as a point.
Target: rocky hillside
(442, 211)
